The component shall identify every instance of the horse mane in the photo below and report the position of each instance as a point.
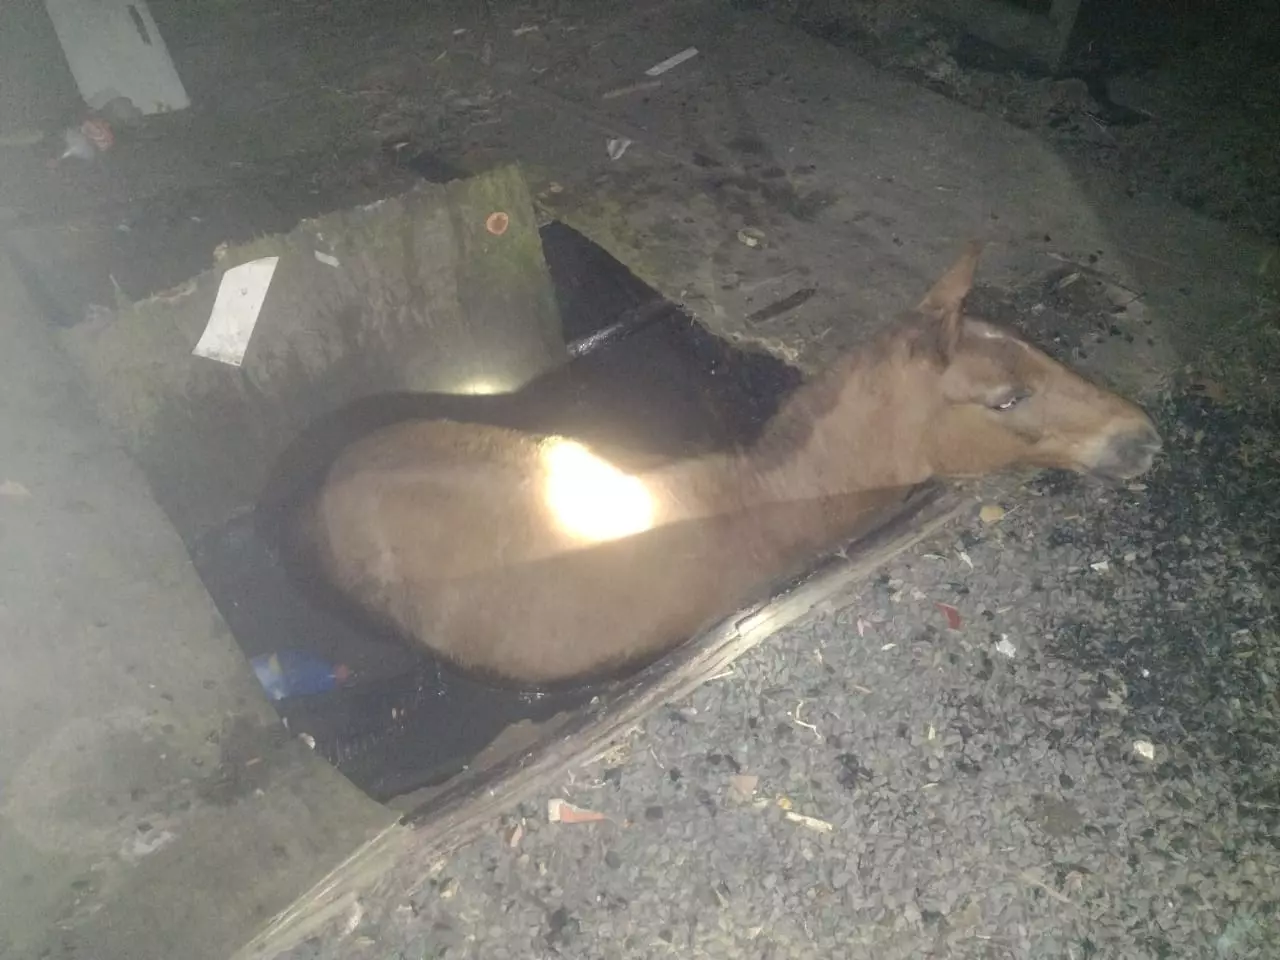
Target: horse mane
(789, 431)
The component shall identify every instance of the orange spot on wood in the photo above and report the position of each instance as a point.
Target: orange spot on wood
(497, 223)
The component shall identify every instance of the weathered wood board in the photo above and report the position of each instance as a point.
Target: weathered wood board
(413, 293)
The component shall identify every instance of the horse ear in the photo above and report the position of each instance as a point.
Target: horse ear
(945, 300)
(949, 292)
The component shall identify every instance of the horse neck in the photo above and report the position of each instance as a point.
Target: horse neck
(870, 439)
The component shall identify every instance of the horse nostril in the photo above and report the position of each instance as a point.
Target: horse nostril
(1131, 453)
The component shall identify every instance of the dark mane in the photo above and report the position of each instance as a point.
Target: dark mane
(791, 428)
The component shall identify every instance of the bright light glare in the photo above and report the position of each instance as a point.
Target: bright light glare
(592, 499)
(481, 388)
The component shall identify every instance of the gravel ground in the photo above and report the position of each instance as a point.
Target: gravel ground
(1080, 758)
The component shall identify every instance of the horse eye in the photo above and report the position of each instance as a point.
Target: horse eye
(1009, 401)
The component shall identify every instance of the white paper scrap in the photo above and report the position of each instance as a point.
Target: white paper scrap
(673, 61)
(235, 311)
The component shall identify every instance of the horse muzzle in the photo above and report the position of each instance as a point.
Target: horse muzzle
(1129, 454)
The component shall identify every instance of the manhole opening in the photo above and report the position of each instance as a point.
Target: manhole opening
(644, 376)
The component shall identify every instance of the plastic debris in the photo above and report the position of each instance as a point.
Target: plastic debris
(515, 835)
(951, 613)
(813, 823)
(1006, 648)
(241, 293)
(1101, 566)
(293, 673)
(92, 137)
(12, 488)
(77, 145)
(560, 810)
(991, 513)
(327, 258)
(99, 133)
(673, 61)
(616, 147)
(1145, 749)
(521, 31)
(751, 237)
(743, 785)
(783, 803)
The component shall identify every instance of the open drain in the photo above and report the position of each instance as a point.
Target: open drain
(643, 377)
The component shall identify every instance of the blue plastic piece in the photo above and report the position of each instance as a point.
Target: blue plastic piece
(293, 673)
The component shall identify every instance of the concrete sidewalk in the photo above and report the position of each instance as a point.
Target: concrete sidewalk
(151, 805)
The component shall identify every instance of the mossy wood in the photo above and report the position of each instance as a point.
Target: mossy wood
(414, 293)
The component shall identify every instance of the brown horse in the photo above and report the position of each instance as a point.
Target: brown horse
(529, 559)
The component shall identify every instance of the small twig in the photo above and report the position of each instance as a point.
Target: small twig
(1026, 876)
(800, 723)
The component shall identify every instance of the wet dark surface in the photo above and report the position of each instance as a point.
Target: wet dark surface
(657, 384)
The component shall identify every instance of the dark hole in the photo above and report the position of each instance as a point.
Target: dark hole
(659, 384)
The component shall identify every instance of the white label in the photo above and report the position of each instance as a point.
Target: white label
(660, 68)
(235, 311)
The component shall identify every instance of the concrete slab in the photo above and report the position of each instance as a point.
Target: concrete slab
(863, 185)
(151, 805)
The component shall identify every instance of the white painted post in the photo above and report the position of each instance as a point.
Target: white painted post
(114, 49)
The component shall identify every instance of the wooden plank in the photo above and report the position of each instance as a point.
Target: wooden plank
(412, 293)
(115, 49)
(469, 803)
